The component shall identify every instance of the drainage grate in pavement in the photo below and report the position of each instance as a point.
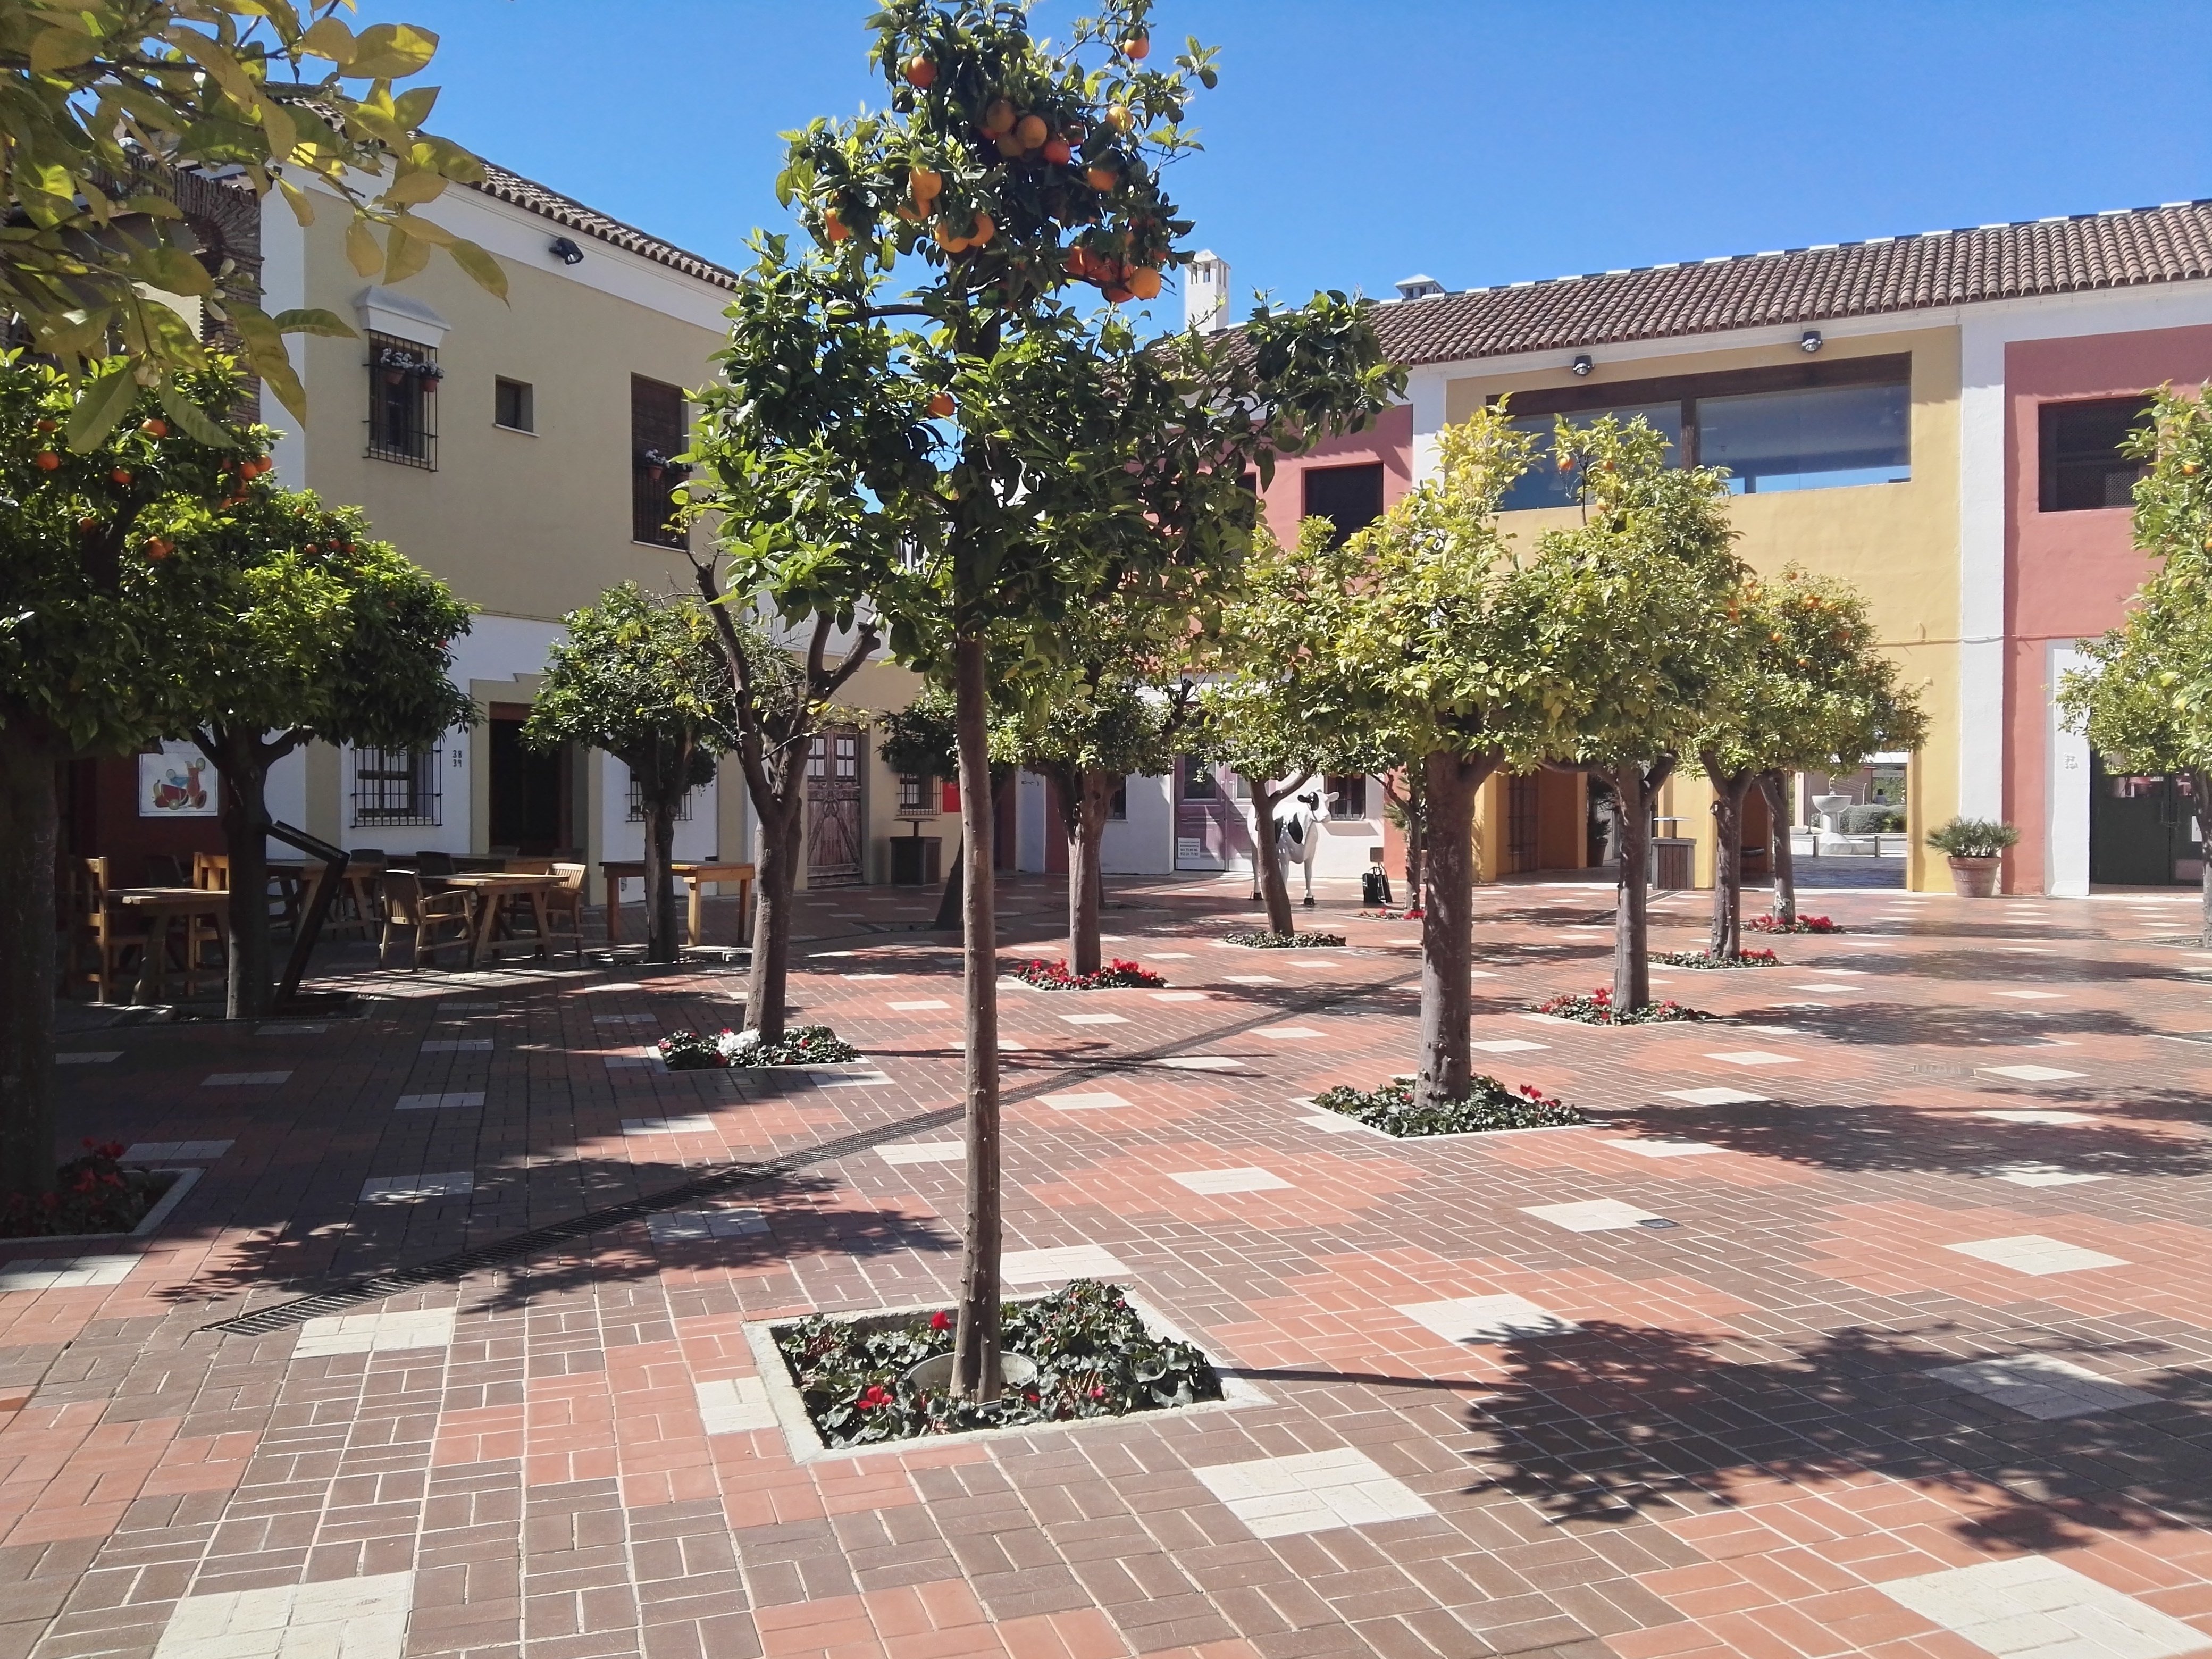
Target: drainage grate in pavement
(444, 1269)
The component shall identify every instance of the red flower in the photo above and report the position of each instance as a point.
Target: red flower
(877, 1395)
(940, 1321)
(1099, 1394)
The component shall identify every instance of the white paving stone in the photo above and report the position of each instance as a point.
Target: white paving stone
(1171, 956)
(375, 1332)
(1288, 1033)
(2036, 1115)
(244, 1079)
(2035, 996)
(1203, 1063)
(408, 1189)
(1591, 1215)
(2042, 1174)
(1753, 1057)
(1249, 1179)
(1251, 979)
(2033, 1253)
(1335, 1123)
(1503, 1318)
(922, 1151)
(1178, 996)
(2035, 1607)
(1062, 1261)
(333, 1619)
(1507, 1046)
(868, 1078)
(1311, 1491)
(1669, 1148)
(2029, 1073)
(692, 1227)
(685, 1124)
(917, 1006)
(2041, 1385)
(1095, 1019)
(175, 1151)
(64, 1272)
(734, 1405)
(625, 1019)
(467, 1100)
(89, 1057)
(459, 1046)
(1716, 1097)
(1096, 1100)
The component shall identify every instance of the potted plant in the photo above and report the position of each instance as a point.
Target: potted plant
(1974, 846)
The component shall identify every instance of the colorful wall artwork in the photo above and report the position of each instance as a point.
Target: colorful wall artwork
(177, 783)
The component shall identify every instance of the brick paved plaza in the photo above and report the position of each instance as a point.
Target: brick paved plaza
(1878, 1321)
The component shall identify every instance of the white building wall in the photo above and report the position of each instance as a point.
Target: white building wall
(1142, 843)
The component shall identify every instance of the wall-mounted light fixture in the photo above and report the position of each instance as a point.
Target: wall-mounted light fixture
(1810, 340)
(1581, 366)
(565, 251)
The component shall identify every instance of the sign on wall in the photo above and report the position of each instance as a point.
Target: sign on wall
(177, 783)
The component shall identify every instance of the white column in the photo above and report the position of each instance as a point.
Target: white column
(1981, 570)
(2066, 806)
(284, 287)
(1424, 390)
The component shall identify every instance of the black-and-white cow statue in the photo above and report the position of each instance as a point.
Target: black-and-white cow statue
(1298, 834)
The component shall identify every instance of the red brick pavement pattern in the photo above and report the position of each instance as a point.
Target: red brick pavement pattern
(1738, 1444)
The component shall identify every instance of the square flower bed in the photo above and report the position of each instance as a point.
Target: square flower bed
(1707, 959)
(93, 1194)
(1116, 974)
(1095, 1356)
(1270, 941)
(1490, 1105)
(1802, 925)
(1596, 1009)
(1411, 913)
(802, 1045)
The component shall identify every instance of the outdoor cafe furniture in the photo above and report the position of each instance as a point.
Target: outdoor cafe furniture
(495, 894)
(201, 911)
(410, 910)
(695, 875)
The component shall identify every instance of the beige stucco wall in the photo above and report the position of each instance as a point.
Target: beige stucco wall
(1898, 543)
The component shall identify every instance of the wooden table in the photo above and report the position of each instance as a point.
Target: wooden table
(299, 877)
(693, 875)
(160, 905)
(493, 894)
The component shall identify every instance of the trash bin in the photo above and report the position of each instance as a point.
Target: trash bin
(1673, 862)
(915, 860)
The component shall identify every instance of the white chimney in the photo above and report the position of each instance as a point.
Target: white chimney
(1417, 288)
(1206, 293)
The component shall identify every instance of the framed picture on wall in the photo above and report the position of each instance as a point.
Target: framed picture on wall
(179, 783)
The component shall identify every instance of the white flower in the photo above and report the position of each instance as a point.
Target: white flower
(738, 1045)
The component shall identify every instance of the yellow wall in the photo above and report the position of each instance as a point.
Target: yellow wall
(1898, 543)
(521, 524)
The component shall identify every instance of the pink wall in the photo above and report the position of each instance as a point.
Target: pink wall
(1389, 440)
(2067, 574)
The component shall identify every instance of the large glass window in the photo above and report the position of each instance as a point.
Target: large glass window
(1812, 439)
(1544, 485)
(1349, 497)
(2079, 454)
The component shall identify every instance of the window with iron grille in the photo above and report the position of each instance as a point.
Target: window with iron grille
(2081, 468)
(1349, 497)
(403, 400)
(637, 804)
(1346, 796)
(1117, 804)
(395, 785)
(656, 438)
(917, 798)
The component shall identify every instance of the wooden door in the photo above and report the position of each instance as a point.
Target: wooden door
(833, 808)
(1211, 831)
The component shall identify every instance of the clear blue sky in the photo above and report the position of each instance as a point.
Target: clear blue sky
(1352, 143)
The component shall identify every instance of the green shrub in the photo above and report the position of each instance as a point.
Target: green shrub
(1972, 838)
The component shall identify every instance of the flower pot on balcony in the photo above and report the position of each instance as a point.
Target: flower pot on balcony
(1974, 878)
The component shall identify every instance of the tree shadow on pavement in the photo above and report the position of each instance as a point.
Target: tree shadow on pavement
(1614, 1422)
(1899, 1024)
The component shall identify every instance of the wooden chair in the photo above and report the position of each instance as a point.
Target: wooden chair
(211, 871)
(107, 943)
(529, 867)
(564, 911)
(408, 909)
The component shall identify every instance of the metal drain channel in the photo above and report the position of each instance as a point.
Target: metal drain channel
(447, 1269)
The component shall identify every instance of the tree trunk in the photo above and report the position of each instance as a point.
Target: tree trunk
(1417, 819)
(948, 901)
(1085, 889)
(1447, 926)
(660, 945)
(773, 882)
(1267, 860)
(1631, 972)
(242, 764)
(28, 828)
(975, 1341)
(1728, 793)
(1776, 786)
(2196, 782)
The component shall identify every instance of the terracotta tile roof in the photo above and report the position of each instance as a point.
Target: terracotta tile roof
(2123, 249)
(566, 212)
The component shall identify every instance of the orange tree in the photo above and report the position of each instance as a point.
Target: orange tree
(921, 438)
(1803, 687)
(290, 623)
(88, 658)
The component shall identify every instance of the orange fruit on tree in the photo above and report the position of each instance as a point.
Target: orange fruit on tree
(920, 72)
(1031, 131)
(157, 550)
(122, 478)
(834, 227)
(941, 405)
(1144, 282)
(1116, 294)
(1137, 48)
(947, 240)
(999, 117)
(50, 426)
(1101, 178)
(984, 231)
(47, 461)
(1079, 261)
(1119, 118)
(1009, 146)
(925, 182)
(155, 429)
(1059, 152)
